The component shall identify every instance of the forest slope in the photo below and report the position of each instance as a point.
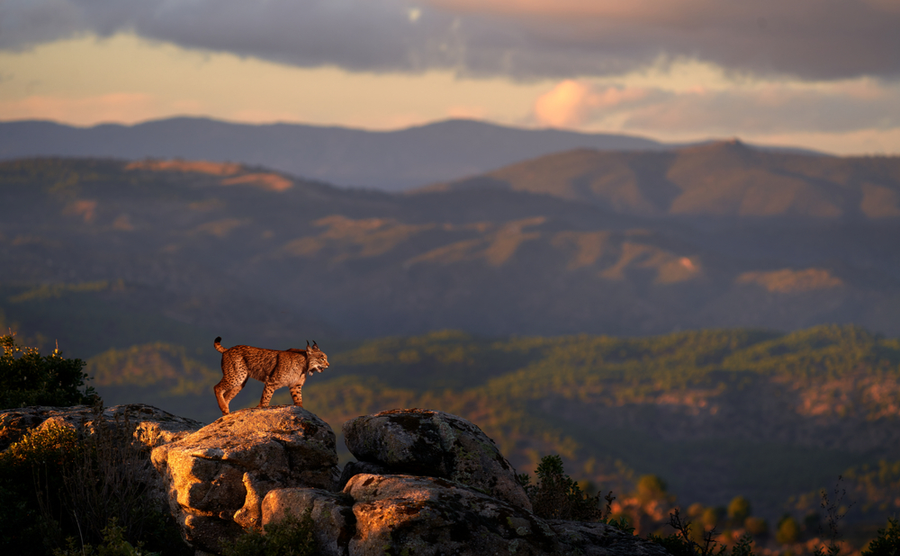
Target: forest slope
(238, 249)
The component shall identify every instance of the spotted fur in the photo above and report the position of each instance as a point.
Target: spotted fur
(274, 368)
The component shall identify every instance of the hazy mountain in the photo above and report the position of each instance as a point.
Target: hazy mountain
(388, 160)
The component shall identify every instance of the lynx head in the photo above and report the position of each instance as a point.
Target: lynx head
(318, 361)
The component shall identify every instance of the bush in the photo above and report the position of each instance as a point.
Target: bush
(887, 543)
(30, 483)
(108, 482)
(55, 483)
(557, 496)
(27, 378)
(291, 536)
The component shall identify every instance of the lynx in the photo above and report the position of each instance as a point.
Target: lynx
(272, 367)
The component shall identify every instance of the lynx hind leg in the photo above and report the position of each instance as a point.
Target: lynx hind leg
(226, 391)
(221, 389)
(296, 394)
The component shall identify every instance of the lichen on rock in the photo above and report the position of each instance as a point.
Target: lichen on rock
(435, 444)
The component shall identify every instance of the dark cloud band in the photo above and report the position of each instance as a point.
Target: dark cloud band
(811, 39)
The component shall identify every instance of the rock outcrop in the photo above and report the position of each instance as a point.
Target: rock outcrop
(434, 444)
(431, 483)
(426, 483)
(218, 476)
(153, 427)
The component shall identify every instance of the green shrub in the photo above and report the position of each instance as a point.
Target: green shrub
(887, 543)
(556, 496)
(291, 536)
(27, 378)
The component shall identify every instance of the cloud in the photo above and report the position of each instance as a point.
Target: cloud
(811, 39)
(572, 103)
(769, 108)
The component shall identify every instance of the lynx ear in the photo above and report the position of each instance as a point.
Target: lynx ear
(315, 346)
(307, 344)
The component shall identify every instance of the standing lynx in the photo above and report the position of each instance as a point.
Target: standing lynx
(272, 367)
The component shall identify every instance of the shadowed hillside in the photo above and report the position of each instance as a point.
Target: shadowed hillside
(228, 248)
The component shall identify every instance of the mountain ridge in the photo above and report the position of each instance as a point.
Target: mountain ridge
(391, 160)
(718, 179)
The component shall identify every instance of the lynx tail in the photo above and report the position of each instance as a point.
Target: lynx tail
(219, 347)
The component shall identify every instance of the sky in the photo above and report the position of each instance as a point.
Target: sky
(819, 74)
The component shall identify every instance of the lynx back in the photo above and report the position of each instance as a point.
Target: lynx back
(274, 368)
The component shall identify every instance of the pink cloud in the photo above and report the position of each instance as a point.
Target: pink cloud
(769, 108)
(573, 103)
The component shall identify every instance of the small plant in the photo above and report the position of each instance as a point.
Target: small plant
(113, 544)
(685, 543)
(291, 536)
(834, 513)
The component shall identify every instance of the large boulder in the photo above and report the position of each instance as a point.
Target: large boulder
(430, 516)
(434, 444)
(332, 513)
(152, 426)
(218, 476)
(403, 514)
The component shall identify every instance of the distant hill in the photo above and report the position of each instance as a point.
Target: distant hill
(387, 160)
(720, 179)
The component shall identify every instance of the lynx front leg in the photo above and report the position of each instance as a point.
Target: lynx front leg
(267, 395)
(296, 394)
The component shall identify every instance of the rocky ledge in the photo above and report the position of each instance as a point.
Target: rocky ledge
(425, 483)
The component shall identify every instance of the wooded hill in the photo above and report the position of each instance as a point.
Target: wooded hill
(622, 243)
